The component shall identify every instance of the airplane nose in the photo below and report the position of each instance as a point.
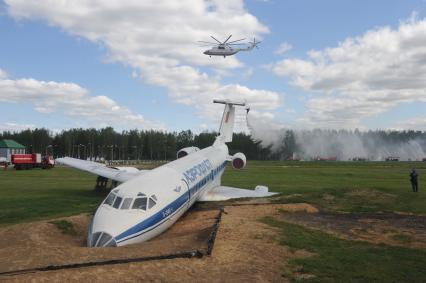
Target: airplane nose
(101, 239)
(101, 233)
(206, 52)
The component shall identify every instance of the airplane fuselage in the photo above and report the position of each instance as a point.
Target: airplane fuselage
(147, 205)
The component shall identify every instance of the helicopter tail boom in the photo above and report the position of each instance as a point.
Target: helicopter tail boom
(252, 45)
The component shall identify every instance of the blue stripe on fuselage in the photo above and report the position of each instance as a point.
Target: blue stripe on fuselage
(163, 214)
(168, 211)
(210, 177)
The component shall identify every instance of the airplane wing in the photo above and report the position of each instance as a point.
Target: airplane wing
(224, 193)
(116, 174)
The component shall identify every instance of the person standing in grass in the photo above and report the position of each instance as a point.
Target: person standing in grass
(414, 180)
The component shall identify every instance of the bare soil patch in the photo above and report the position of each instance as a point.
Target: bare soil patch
(379, 228)
(245, 249)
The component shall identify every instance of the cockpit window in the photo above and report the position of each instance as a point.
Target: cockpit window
(152, 202)
(126, 203)
(117, 202)
(110, 199)
(140, 203)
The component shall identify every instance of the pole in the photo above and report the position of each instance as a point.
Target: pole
(90, 151)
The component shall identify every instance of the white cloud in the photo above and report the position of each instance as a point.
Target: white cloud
(418, 123)
(15, 127)
(283, 48)
(248, 73)
(157, 38)
(135, 74)
(74, 101)
(3, 74)
(363, 76)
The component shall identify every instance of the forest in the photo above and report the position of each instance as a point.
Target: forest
(126, 145)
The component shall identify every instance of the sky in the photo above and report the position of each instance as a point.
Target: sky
(134, 64)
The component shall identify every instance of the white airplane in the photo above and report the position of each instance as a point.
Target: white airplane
(150, 201)
(226, 48)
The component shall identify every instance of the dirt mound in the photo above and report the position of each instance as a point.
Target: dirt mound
(41, 243)
(245, 249)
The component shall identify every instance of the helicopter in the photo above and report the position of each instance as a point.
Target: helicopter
(227, 48)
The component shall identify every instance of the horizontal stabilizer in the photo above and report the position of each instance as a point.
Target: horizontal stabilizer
(221, 193)
(226, 101)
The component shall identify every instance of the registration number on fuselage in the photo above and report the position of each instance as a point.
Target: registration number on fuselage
(167, 212)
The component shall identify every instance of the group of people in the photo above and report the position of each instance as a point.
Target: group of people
(102, 183)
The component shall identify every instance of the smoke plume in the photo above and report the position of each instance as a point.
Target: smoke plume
(340, 144)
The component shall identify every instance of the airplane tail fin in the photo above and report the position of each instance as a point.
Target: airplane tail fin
(227, 124)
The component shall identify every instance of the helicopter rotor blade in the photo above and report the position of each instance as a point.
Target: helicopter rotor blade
(227, 39)
(236, 40)
(215, 39)
(207, 42)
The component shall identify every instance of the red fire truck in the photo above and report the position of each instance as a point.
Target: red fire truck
(34, 160)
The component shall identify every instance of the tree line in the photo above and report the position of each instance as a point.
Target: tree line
(109, 144)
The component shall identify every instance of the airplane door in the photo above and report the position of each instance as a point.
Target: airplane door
(184, 186)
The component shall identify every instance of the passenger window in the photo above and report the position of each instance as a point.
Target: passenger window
(152, 202)
(126, 203)
(110, 199)
(117, 202)
(140, 203)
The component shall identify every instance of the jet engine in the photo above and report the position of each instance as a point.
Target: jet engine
(239, 160)
(187, 150)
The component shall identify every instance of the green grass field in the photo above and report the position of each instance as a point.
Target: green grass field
(335, 186)
(331, 186)
(28, 195)
(339, 260)
(339, 186)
